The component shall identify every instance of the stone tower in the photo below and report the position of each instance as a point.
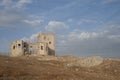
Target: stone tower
(44, 46)
(49, 40)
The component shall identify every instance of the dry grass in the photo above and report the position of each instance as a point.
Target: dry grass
(23, 68)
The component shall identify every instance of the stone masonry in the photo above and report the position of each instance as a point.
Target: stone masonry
(45, 45)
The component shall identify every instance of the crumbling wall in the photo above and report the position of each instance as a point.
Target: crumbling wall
(17, 48)
(50, 42)
(44, 46)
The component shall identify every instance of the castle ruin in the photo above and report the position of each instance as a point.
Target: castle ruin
(45, 45)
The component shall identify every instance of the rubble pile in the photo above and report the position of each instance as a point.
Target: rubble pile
(75, 61)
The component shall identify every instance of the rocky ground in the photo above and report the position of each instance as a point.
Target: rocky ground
(58, 68)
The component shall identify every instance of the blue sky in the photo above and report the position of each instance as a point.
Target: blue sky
(82, 27)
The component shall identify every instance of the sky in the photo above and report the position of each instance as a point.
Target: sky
(82, 27)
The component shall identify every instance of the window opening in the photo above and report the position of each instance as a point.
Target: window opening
(19, 45)
(41, 47)
(49, 42)
(13, 47)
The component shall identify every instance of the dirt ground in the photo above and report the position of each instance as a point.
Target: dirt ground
(30, 68)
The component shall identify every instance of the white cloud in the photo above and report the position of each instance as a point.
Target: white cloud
(71, 4)
(20, 3)
(14, 4)
(55, 26)
(6, 2)
(83, 43)
(83, 35)
(11, 17)
(76, 34)
(70, 20)
(117, 27)
(33, 22)
(114, 37)
(14, 18)
(32, 38)
(86, 21)
(25, 39)
(109, 1)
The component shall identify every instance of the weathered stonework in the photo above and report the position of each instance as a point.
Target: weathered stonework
(45, 45)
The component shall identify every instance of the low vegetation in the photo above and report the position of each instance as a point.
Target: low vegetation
(58, 68)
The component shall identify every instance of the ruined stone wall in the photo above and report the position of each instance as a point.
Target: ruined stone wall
(50, 42)
(44, 46)
(17, 48)
(42, 49)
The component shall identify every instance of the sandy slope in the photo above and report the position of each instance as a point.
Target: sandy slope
(33, 68)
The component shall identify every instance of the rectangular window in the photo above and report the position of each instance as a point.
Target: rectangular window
(25, 45)
(49, 42)
(41, 47)
(13, 47)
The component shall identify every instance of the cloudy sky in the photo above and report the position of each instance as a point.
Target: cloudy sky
(82, 27)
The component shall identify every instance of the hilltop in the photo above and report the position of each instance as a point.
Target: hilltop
(58, 68)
